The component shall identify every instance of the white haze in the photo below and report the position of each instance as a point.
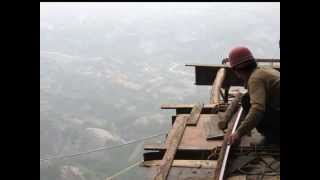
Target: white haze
(106, 68)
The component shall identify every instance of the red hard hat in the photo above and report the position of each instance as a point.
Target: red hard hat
(240, 55)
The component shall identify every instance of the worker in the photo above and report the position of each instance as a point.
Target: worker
(261, 103)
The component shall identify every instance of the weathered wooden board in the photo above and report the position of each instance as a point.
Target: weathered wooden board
(211, 128)
(173, 118)
(196, 136)
(183, 173)
(162, 147)
(205, 74)
(195, 114)
(253, 177)
(185, 163)
(181, 155)
(239, 177)
(187, 108)
(192, 146)
(190, 174)
(172, 142)
(187, 173)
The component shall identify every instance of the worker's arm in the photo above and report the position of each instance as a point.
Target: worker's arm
(257, 93)
(251, 121)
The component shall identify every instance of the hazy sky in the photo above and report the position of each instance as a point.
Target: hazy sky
(256, 25)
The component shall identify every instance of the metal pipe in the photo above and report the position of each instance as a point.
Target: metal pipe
(229, 146)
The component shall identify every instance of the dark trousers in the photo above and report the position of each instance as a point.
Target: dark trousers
(269, 126)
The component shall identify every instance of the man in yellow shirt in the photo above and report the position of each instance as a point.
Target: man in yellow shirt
(262, 102)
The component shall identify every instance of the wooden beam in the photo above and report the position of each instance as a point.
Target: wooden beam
(162, 147)
(211, 128)
(172, 143)
(187, 108)
(222, 108)
(173, 118)
(207, 164)
(216, 86)
(206, 73)
(238, 177)
(177, 106)
(181, 155)
(195, 114)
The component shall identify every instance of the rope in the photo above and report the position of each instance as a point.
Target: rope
(271, 172)
(124, 170)
(99, 149)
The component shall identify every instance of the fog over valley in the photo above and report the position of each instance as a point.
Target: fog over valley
(106, 68)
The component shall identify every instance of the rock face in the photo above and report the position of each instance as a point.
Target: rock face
(100, 137)
(71, 173)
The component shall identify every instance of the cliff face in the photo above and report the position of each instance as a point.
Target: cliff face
(71, 173)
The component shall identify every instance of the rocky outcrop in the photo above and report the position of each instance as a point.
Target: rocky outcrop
(71, 173)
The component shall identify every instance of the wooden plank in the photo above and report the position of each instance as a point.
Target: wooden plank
(211, 128)
(172, 142)
(205, 74)
(217, 85)
(182, 173)
(215, 116)
(204, 110)
(162, 147)
(185, 163)
(195, 114)
(173, 118)
(196, 135)
(187, 108)
(177, 106)
(238, 177)
(185, 173)
(183, 155)
(192, 153)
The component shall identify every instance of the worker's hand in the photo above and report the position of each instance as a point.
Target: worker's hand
(233, 138)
